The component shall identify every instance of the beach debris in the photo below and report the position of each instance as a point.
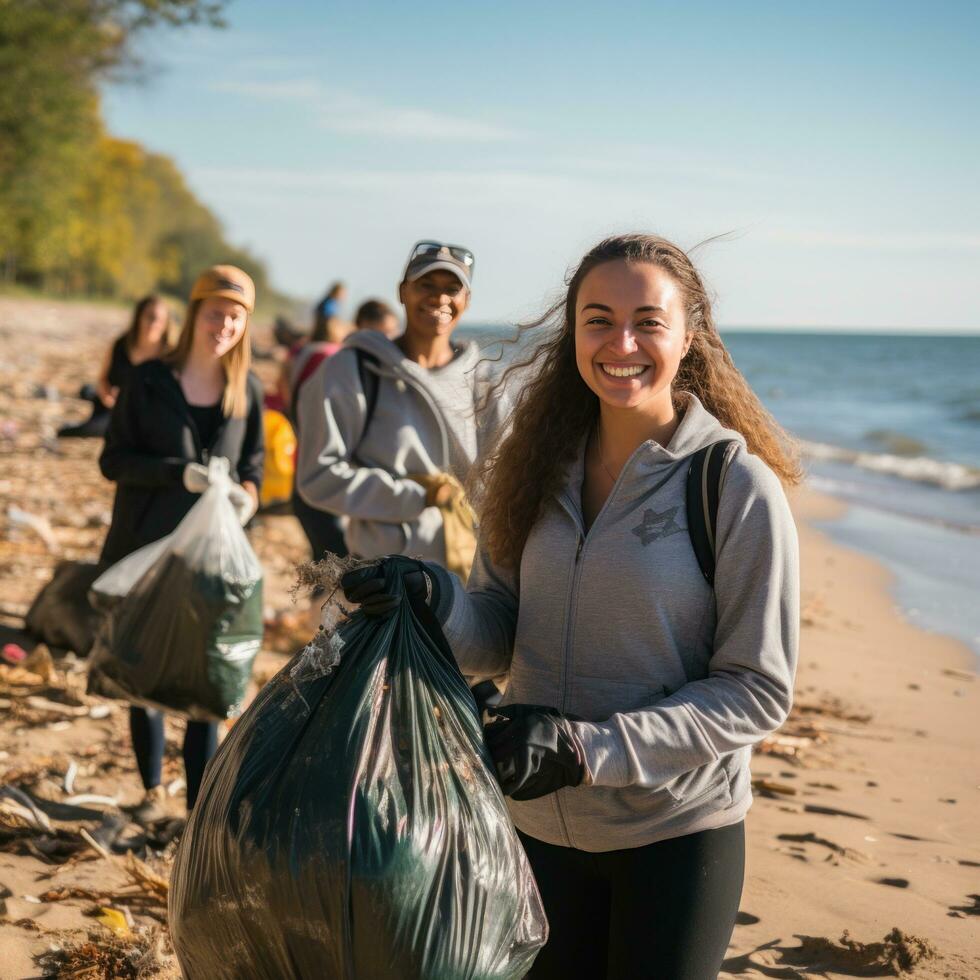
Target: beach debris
(94, 844)
(113, 919)
(41, 526)
(56, 707)
(14, 654)
(772, 789)
(105, 956)
(19, 677)
(39, 661)
(92, 799)
(893, 882)
(46, 392)
(68, 784)
(18, 810)
(963, 675)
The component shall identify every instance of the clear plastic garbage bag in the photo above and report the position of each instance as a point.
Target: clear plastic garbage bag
(183, 619)
(351, 827)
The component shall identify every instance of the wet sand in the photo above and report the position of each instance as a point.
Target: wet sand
(867, 807)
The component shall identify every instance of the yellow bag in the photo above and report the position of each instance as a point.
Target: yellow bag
(280, 458)
(458, 521)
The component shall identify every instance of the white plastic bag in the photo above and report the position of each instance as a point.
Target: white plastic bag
(185, 614)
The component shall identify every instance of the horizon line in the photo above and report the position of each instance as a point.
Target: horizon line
(919, 331)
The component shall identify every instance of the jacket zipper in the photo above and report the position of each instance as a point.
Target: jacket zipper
(566, 652)
(566, 665)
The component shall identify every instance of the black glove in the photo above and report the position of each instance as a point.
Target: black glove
(366, 585)
(534, 751)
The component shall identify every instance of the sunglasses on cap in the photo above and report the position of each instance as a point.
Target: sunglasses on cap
(434, 249)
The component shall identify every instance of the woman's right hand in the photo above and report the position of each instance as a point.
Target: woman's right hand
(196, 478)
(108, 396)
(366, 586)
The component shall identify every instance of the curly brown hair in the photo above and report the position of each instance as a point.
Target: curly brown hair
(555, 409)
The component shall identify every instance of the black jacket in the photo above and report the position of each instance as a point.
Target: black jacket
(151, 438)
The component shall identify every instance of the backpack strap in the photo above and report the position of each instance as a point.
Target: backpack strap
(370, 382)
(704, 482)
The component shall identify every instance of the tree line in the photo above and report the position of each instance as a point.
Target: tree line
(82, 212)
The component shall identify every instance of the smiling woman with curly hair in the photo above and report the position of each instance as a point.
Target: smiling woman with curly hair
(638, 681)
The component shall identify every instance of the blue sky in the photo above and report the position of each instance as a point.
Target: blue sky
(837, 143)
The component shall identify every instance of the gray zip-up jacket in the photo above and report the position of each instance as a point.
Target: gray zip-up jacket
(425, 421)
(673, 682)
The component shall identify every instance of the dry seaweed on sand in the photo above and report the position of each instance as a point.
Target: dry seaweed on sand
(106, 956)
(807, 730)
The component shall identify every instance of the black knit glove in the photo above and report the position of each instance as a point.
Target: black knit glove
(534, 750)
(366, 585)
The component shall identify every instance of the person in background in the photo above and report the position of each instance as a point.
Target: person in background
(375, 314)
(328, 325)
(200, 401)
(152, 332)
(388, 427)
(324, 531)
(637, 688)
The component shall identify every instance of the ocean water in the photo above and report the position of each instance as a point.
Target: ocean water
(891, 425)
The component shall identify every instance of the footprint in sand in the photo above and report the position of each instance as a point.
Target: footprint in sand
(961, 911)
(897, 953)
(838, 852)
(832, 811)
(924, 840)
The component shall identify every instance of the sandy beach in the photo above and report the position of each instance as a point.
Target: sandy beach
(868, 801)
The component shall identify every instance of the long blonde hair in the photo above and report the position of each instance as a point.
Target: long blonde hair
(235, 363)
(556, 409)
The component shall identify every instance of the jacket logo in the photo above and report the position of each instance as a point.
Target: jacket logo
(657, 525)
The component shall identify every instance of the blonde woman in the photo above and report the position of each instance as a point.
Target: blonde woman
(171, 418)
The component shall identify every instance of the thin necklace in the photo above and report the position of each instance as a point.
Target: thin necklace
(602, 462)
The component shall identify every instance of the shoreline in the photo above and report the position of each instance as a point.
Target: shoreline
(889, 795)
(856, 787)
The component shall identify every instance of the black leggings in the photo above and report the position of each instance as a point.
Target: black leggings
(665, 911)
(200, 743)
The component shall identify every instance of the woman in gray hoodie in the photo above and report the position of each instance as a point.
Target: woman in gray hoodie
(637, 689)
(382, 421)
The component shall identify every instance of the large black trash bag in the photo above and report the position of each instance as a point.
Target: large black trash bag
(184, 616)
(350, 826)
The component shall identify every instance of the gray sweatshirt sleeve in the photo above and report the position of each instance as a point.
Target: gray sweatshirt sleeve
(749, 688)
(332, 410)
(479, 621)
